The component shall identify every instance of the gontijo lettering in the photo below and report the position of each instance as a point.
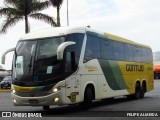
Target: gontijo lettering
(136, 68)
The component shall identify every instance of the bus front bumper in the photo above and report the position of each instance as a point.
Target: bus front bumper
(51, 99)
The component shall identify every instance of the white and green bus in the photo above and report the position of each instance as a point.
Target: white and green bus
(76, 65)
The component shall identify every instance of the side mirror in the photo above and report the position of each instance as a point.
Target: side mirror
(61, 49)
(4, 55)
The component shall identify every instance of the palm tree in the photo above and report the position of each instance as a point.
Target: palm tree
(17, 10)
(57, 4)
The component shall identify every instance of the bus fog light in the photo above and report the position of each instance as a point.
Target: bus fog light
(14, 100)
(56, 99)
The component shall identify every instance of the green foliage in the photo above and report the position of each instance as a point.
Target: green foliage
(57, 4)
(17, 10)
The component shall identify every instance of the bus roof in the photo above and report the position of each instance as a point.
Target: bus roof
(51, 32)
(59, 31)
(121, 39)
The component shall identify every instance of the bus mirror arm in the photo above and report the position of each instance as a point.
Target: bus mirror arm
(4, 54)
(61, 49)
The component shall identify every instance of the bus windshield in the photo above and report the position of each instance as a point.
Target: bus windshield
(37, 60)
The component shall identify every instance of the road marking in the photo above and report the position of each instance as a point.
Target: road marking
(5, 90)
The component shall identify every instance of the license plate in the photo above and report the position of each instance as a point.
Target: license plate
(33, 101)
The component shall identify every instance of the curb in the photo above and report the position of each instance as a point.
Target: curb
(5, 90)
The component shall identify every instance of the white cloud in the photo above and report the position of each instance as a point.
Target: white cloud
(133, 19)
(138, 20)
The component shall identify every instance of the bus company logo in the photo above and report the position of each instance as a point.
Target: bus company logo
(72, 96)
(134, 68)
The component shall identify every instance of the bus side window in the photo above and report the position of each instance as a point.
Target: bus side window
(128, 52)
(118, 50)
(92, 48)
(70, 64)
(144, 57)
(137, 53)
(106, 49)
(149, 55)
(78, 38)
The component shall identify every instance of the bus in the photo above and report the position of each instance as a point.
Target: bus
(77, 65)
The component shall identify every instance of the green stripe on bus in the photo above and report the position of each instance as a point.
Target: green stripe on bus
(113, 74)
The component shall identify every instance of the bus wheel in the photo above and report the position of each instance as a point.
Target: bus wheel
(46, 107)
(2, 86)
(142, 90)
(137, 91)
(88, 96)
(141, 93)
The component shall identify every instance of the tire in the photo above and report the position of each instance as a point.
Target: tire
(5, 85)
(88, 97)
(2, 87)
(9, 86)
(138, 90)
(46, 107)
(131, 97)
(143, 91)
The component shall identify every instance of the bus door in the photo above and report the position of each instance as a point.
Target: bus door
(70, 89)
(77, 86)
(72, 82)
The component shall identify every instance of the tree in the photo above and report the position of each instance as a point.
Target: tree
(57, 4)
(18, 10)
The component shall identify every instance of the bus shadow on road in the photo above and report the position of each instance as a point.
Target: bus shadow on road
(114, 101)
(75, 110)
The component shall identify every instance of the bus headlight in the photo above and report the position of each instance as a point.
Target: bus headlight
(54, 90)
(13, 91)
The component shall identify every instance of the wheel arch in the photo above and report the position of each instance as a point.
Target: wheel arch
(90, 85)
(138, 81)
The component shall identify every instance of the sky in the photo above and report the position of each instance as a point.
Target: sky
(137, 20)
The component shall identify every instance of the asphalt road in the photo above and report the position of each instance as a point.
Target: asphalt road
(109, 108)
